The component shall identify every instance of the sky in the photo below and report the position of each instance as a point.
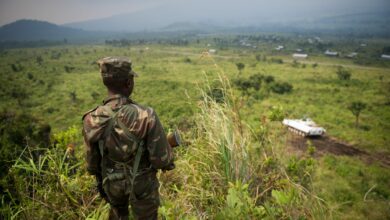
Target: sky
(68, 11)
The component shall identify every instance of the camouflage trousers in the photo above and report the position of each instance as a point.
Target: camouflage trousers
(144, 202)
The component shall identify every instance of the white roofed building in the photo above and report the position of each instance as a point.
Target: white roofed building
(385, 56)
(331, 53)
(280, 47)
(299, 56)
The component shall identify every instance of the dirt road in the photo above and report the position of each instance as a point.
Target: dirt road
(328, 145)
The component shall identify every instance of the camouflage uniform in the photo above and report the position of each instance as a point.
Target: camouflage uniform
(113, 169)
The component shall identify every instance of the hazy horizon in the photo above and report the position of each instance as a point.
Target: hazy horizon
(232, 12)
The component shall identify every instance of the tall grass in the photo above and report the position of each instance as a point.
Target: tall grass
(50, 183)
(219, 124)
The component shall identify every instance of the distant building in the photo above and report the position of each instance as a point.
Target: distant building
(280, 47)
(352, 55)
(318, 39)
(331, 53)
(363, 45)
(385, 56)
(300, 56)
(299, 50)
(212, 51)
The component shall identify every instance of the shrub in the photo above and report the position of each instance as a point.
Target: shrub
(277, 113)
(240, 67)
(343, 74)
(17, 130)
(39, 60)
(281, 88)
(276, 60)
(68, 69)
(16, 67)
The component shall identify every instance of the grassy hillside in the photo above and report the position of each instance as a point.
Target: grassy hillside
(237, 163)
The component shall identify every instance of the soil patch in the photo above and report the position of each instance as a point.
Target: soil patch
(328, 145)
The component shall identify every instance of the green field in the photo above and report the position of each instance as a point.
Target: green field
(56, 85)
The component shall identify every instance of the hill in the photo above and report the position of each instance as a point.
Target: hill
(33, 30)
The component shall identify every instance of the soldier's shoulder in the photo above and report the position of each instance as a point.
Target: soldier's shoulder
(141, 110)
(89, 112)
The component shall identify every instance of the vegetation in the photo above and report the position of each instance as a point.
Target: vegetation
(356, 108)
(237, 163)
(343, 74)
(240, 67)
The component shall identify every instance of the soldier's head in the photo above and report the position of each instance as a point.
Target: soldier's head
(117, 74)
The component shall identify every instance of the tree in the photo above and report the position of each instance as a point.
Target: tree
(39, 60)
(356, 108)
(240, 66)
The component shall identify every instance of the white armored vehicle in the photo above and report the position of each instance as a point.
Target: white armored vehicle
(304, 127)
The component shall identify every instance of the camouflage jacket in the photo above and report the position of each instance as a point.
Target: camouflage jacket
(141, 121)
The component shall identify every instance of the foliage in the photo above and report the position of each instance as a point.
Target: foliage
(47, 186)
(300, 170)
(254, 83)
(276, 60)
(343, 74)
(18, 131)
(356, 108)
(276, 113)
(216, 92)
(240, 67)
(281, 88)
(240, 205)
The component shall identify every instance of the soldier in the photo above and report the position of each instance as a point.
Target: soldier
(126, 145)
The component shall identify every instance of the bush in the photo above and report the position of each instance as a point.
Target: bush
(281, 88)
(240, 67)
(39, 60)
(343, 74)
(68, 69)
(276, 60)
(16, 67)
(18, 131)
(277, 114)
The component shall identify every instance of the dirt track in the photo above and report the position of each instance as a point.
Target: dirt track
(328, 145)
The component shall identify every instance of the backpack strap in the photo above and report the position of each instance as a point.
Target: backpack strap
(134, 171)
(107, 130)
(137, 160)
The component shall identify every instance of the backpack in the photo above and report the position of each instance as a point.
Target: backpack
(119, 183)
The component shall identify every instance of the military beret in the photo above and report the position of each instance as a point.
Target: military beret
(116, 67)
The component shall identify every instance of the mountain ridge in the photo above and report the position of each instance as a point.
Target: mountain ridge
(36, 30)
